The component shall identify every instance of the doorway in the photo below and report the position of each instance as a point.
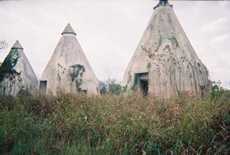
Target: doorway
(142, 83)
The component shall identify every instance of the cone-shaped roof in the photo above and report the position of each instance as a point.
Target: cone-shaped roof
(167, 58)
(68, 70)
(16, 73)
(68, 30)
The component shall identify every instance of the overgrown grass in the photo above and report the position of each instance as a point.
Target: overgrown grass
(114, 125)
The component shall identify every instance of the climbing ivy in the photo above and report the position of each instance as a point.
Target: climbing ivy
(77, 74)
(7, 67)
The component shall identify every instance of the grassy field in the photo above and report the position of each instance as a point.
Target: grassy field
(114, 125)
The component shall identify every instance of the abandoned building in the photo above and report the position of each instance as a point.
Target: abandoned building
(165, 63)
(16, 73)
(68, 70)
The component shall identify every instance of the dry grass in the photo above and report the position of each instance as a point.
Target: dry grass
(114, 125)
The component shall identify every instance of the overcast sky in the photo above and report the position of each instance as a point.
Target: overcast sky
(109, 31)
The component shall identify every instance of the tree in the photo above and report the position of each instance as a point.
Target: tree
(3, 44)
(111, 86)
(216, 90)
(114, 87)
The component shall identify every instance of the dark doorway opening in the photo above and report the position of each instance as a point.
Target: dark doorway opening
(142, 83)
(43, 87)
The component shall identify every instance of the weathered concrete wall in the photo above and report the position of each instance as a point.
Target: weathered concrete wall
(68, 70)
(16, 73)
(167, 55)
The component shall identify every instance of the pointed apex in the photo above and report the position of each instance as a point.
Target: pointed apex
(68, 30)
(162, 3)
(17, 45)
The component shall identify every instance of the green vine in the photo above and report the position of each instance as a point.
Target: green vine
(7, 67)
(77, 74)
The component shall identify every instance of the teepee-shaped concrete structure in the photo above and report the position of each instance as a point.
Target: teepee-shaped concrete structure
(16, 73)
(68, 70)
(165, 63)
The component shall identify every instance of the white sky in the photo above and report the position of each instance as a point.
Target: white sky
(109, 31)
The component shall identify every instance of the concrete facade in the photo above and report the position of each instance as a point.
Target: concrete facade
(16, 73)
(68, 70)
(165, 62)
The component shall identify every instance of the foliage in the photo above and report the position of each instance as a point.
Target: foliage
(114, 124)
(114, 87)
(3, 44)
(76, 75)
(216, 90)
(7, 67)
